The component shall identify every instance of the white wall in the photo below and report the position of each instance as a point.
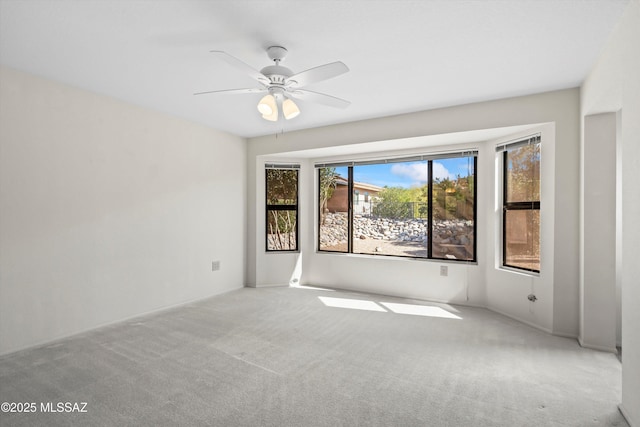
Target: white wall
(557, 311)
(614, 85)
(598, 233)
(507, 290)
(108, 211)
(388, 275)
(277, 269)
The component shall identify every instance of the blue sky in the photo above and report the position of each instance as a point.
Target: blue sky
(409, 174)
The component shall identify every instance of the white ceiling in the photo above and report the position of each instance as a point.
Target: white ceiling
(404, 55)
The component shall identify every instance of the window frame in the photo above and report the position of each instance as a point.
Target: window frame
(529, 205)
(429, 159)
(281, 207)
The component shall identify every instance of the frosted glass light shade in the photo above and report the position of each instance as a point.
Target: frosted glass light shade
(289, 109)
(267, 105)
(273, 117)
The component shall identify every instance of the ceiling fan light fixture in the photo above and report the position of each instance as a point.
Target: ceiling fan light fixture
(273, 117)
(290, 109)
(267, 106)
(281, 83)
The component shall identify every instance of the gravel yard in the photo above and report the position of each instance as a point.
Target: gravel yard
(383, 247)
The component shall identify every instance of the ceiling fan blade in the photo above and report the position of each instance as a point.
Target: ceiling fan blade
(242, 66)
(233, 91)
(320, 98)
(317, 74)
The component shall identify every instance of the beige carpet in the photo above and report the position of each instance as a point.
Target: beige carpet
(301, 357)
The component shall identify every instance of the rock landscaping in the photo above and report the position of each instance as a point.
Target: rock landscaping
(446, 234)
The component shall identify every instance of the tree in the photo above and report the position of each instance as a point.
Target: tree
(394, 202)
(444, 190)
(523, 178)
(328, 177)
(282, 186)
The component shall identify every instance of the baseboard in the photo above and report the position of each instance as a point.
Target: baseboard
(271, 285)
(526, 322)
(626, 416)
(597, 347)
(566, 335)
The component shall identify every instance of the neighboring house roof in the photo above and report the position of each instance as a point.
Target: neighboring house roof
(358, 185)
(341, 181)
(368, 187)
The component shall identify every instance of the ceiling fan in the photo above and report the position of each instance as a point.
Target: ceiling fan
(283, 85)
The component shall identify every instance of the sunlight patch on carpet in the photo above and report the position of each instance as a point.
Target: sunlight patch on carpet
(355, 304)
(419, 310)
(397, 308)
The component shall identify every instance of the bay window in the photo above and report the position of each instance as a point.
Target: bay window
(417, 207)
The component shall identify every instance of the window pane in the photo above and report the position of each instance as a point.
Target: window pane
(334, 205)
(390, 209)
(282, 186)
(523, 174)
(282, 209)
(281, 230)
(522, 237)
(521, 208)
(384, 208)
(453, 208)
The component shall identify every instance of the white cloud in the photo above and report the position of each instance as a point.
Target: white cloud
(440, 172)
(417, 172)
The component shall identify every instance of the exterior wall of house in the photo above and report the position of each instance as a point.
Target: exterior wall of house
(363, 199)
(339, 200)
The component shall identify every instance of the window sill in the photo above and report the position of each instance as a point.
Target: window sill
(518, 271)
(397, 258)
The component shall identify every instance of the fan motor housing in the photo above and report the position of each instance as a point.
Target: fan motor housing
(277, 73)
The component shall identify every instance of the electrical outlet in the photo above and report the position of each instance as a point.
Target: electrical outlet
(215, 265)
(444, 270)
